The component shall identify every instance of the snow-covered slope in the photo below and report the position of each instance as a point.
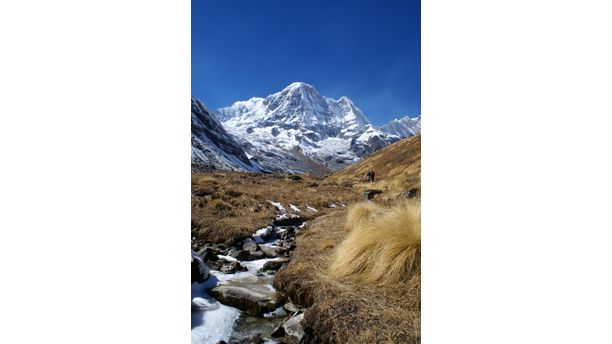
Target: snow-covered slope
(403, 127)
(212, 147)
(299, 130)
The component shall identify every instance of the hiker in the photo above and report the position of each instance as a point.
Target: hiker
(368, 176)
(372, 176)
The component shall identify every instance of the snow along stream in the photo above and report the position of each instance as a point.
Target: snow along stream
(212, 321)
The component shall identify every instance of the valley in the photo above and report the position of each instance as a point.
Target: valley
(296, 258)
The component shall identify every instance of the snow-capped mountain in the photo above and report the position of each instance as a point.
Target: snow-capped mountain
(403, 127)
(212, 147)
(299, 130)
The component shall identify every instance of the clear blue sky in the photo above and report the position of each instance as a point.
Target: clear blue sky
(368, 51)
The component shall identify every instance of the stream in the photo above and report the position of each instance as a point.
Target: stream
(212, 321)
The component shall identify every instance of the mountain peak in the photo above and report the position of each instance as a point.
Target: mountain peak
(298, 85)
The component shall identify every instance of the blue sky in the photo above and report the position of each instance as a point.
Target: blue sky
(368, 51)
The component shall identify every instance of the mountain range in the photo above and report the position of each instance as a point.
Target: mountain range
(296, 130)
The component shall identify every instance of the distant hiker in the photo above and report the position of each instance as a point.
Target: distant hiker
(372, 176)
(368, 176)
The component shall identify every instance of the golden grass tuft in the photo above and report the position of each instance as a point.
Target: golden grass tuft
(383, 244)
(362, 213)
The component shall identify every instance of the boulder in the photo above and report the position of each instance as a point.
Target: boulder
(272, 251)
(250, 245)
(274, 264)
(293, 327)
(199, 270)
(209, 253)
(254, 300)
(230, 267)
(239, 254)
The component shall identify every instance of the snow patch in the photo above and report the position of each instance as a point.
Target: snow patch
(278, 206)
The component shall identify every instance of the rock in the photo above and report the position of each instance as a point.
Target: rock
(239, 254)
(250, 245)
(369, 194)
(293, 326)
(288, 221)
(209, 253)
(410, 193)
(257, 255)
(254, 300)
(272, 251)
(279, 331)
(221, 342)
(291, 308)
(230, 267)
(257, 339)
(274, 264)
(199, 270)
(289, 245)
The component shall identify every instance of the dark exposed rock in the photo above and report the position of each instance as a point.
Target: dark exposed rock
(369, 194)
(199, 270)
(239, 254)
(274, 264)
(288, 221)
(410, 193)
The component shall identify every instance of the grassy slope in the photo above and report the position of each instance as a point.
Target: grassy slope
(346, 307)
(397, 168)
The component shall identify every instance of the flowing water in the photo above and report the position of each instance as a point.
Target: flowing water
(211, 321)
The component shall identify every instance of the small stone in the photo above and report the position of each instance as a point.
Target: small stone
(293, 326)
(291, 308)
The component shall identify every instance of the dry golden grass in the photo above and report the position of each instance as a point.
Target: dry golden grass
(228, 206)
(383, 245)
(344, 305)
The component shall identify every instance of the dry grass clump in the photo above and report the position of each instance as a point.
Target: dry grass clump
(362, 213)
(348, 308)
(383, 244)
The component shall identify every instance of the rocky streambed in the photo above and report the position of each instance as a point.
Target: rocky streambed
(232, 297)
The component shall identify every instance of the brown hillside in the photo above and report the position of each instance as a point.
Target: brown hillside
(397, 168)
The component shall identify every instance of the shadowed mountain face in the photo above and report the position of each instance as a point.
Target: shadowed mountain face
(294, 130)
(212, 147)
